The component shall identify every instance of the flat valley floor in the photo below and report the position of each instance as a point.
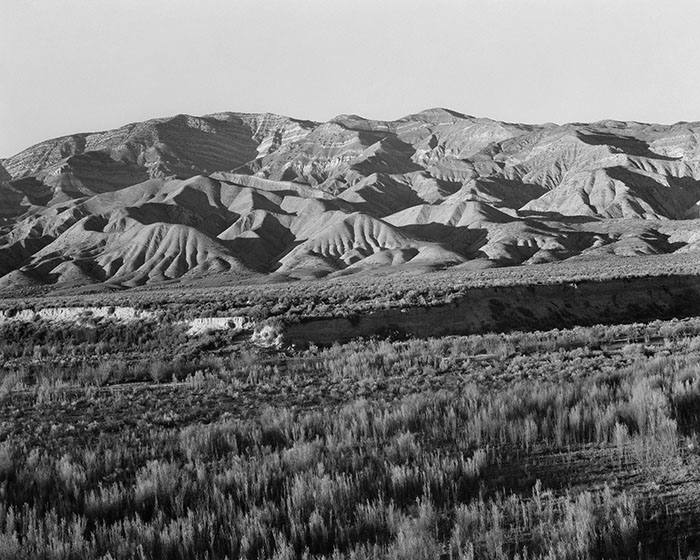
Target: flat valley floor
(142, 442)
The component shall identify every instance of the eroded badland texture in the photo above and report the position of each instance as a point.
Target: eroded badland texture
(252, 194)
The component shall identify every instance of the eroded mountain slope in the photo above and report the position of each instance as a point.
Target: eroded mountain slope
(260, 193)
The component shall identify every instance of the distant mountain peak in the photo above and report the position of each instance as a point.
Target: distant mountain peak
(439, 111)
(254, 193)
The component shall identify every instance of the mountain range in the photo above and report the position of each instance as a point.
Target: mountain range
(260, 194)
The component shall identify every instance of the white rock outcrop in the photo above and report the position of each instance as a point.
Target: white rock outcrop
(268, 336)
(203, 325)
(77, 314)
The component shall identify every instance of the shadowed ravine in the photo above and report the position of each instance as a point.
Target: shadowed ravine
(533, 307)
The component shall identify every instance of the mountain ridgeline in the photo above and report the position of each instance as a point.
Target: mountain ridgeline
(256, 194)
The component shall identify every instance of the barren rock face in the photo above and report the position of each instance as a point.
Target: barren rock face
(260, 193)
(4, 175)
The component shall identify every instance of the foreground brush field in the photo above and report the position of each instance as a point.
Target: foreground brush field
(578, 443)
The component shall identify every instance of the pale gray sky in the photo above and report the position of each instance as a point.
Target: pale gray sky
(80, 65)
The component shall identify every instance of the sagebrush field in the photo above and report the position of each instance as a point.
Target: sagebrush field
(128, 443)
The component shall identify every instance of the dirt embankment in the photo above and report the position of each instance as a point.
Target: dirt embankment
(533, 307)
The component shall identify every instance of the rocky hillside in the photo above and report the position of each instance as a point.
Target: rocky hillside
(260, 193)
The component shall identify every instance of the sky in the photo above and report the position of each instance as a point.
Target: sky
(82, 65)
